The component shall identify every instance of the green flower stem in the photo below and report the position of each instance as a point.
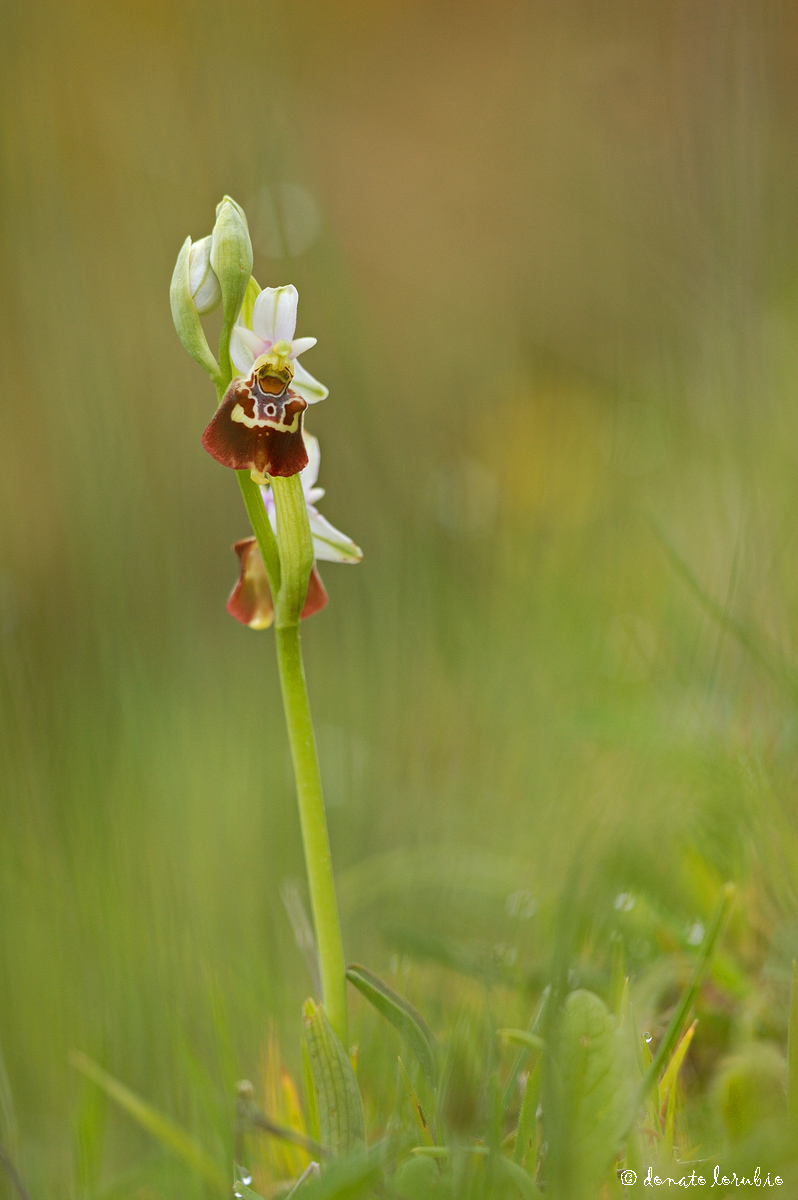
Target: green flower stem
(296, 560)
(261, 527)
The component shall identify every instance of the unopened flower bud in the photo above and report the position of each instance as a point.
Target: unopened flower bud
(231, 256)
(202, 280)
(185, 314)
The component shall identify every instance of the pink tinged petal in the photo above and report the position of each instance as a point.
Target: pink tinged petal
(329, 544)
(250, 601)
(258, 431)
(269, 505)
(300, 345)
(308, 388)
(311, 471)
(245, 347)
(274, 314)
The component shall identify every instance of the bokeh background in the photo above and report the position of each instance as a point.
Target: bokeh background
(550, 255)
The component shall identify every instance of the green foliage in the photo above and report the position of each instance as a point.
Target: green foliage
(166, 1131)
(337, 1097)
(406, 1020)
(590, 1096)
(751, 1091)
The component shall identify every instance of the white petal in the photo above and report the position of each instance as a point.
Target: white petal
(274, 314)
(313, 494)
(268, 504)
(311, 472)
(245, 347)
(300, 345)
(329, 543)
(306, 386)
(202, 280)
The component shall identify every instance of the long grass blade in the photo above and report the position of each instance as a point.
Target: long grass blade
(415, 1104)
(525, 1143)
(169, 1134)
(705, 956)
(792, 1048)
(14, 1176)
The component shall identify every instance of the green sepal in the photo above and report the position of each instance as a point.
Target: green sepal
(402, 1015)
(186, 318)
(248, 303)
(340, 1109)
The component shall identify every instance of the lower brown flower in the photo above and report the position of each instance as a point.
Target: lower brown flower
(251, 601)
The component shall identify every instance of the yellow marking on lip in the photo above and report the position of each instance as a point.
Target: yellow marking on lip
(241, 417)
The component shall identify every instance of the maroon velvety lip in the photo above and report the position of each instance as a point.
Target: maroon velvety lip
(250, 601)
(257, 429)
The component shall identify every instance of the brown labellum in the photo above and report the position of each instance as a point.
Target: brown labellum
(250, 601)
(258, 427)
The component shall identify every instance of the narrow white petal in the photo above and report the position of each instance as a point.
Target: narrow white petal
(268, 504)
(274, 314)
(300, 345)
(306, 386)
(202, 280)
(245, 347)
(311, 472)
(313, 494)
(285, 313)
(329, 543)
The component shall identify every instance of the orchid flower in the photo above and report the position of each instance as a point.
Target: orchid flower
(258, 425)
(250, 601)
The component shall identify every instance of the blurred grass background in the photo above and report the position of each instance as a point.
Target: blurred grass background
(550, 255)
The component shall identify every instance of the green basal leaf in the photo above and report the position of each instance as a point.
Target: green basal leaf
(590, 1094)
(166, 1131)
(340, 1109)
(310, 1092)
(402, 1015)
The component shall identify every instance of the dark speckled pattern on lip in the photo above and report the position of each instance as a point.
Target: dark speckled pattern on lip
(255, 429)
